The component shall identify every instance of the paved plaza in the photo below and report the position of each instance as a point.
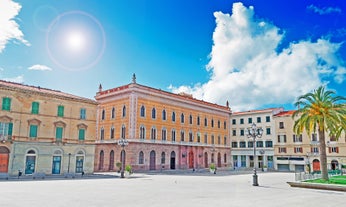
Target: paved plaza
(159, 190)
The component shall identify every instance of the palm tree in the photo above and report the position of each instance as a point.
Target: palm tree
(320, 110)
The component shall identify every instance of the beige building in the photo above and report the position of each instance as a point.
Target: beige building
(296, 152)
(45, 131)
(242, 147)
(164, 130)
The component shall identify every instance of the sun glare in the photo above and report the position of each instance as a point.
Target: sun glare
(75, 41)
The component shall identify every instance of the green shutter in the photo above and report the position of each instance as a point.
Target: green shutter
(58, 134)
(10, 128)
(35, 107)
(61, 111)
(33, 131)
(81, 134)
(6, 104)
(82, 113)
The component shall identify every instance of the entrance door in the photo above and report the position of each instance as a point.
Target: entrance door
(206, 164)
(191, 160)
(79, 164)
(56, 165)
(152, 165)
(172, 160)
(4, 155)
(334, 164)
(30, 164)
(219, 159)
(316, 165)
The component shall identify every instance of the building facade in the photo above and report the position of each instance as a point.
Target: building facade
(242, 147)
(301, 152)
(164, 130)
(45, 131)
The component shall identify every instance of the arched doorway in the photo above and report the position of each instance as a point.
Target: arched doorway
(30, 162)
(101, 159)
(206, 164)
(191, 160)
(219, 159)
(80, 161)
(334, 164)
(316, 165)
(172, 164)
(4, 156)
(152, 163)
(111, 160)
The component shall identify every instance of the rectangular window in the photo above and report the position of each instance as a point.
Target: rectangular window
(298, 150)
(250, 120)
(81, 135)
(333, 149)
(6, 129)
(58, 133)
(60, 111)
(241, 121)
(259, 120)
(6, 104)
(205, 139)
(282, 139)
(234, 121)
(259, 144)
(267, 118)
(269, 143)
(242, 132)
(281, 125)
(250, 144)
(314, 137)
(297, 138)
(243, 160)
(234, 132)
(234, 144)
(268, 131)
(35, 107)
(242, 144)
(282, 149)
(82, 113)
(33, 131)
(314, 149)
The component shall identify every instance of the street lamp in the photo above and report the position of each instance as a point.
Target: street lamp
(254, 132)
(122, 142)
(69, 161)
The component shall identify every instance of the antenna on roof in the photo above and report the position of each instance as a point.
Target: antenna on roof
(100, 87)
(134, 78)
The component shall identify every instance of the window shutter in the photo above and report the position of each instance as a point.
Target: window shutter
(337, 149)
(278, 138)
(301, 150)
(330, 149)
(81, 134)
(285, 138)
(10, 128)
(58, 134)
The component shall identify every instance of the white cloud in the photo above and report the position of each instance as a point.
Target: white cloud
(324, 10)
(9, 29)
(247, 70)
(39, 67)
(18, 79)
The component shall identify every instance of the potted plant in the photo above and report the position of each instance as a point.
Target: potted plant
(212, 168)
(118, 164)
(128, 170)
(265, 168)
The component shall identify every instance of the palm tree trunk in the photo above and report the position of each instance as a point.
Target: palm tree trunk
(323, 155)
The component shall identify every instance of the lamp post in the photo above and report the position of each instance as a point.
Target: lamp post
(254, 132)
(69, 161)
(122, 142)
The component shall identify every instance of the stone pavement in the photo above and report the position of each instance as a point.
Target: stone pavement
(169, 189)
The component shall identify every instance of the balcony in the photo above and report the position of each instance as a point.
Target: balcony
(5, 138)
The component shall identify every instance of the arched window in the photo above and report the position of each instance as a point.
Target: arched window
(111, 160)
(198, 120)
(173, 135)
(190, 119)
(225, 140)
(182, 118)
(123, 131)
(205, 121)
(163, 158)
(219, 140)
(124, 111)
(212, 123)
(113, 113)
(205, 138)
(103, 114)
(164, 115)
(190, 137)
(218, 124)
(142, 132)
(153, 113)
(224, 125)
(102, 135)
(112, 132)
(212, 139)
(164, 134)
(182, 136)
(141, 158)
(142, 111)
(153, 133)
(225, 158)
(173, 116)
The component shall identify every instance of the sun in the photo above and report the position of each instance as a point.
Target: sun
(75, 41)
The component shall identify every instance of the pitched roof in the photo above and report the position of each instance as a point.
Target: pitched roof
(42, 91)
(285, 113)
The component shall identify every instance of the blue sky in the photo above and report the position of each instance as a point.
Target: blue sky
(255, 54)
